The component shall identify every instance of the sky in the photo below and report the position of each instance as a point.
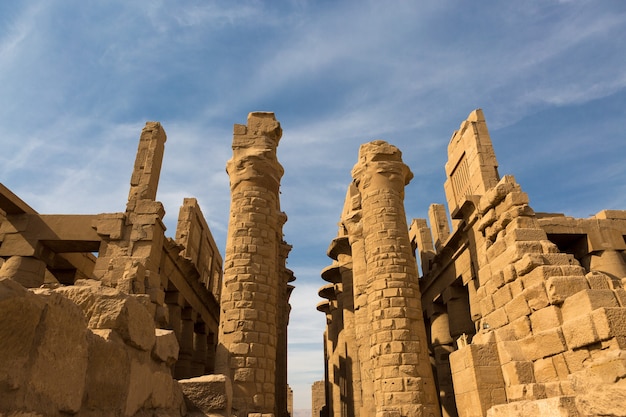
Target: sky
(78, 80)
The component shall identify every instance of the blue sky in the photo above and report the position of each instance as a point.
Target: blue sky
(78, 80)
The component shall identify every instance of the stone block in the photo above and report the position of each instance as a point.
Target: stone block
(486, 305)
(517, 287)
(517, 308)
(211, 394)
(543, 344)
(107, 380)
(575, 359)
(472, 356)
(108, 308)
(496, 319)
(508, 273)
(609, 322)
(599, 281)
(515, 235)
(521, 392)
(561, 406)
(620, 294)
(518, 329)
(502, 296)
(518, 372)
(165, 347)
(545, 371)
(546, 318)
(536, 296)
(540, 274)
(63, 325)
(28, 271)
(561, 287)
(528, 262)
(509, 351)
(580, 331)
(586, 301)
(560, 365)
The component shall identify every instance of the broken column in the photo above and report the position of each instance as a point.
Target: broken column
(252, 271)
(130, 254)
(403, 380)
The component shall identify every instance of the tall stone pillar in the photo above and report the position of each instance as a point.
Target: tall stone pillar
(351, 221)
(252, 276)
(403, 379)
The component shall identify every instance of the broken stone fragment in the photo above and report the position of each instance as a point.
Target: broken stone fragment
(108, 308)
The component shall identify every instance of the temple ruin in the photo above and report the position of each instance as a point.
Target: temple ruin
(102, 314)
(515, 313)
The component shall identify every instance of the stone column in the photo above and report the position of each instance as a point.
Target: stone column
(403, 379)
(185, 355)
(248, 320)
(199, 360)
(442, 345)
(351, 221)
(286, 275)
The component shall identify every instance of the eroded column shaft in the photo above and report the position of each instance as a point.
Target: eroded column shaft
(403, 380)
(248, 322)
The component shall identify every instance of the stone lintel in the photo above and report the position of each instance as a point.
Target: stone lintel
(12, 204)
(62, 233)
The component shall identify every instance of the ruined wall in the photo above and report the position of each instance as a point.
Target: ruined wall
(543, 291)
(523, 311)
(318, 398)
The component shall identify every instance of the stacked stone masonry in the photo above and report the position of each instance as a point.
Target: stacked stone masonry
(522, 313)
(102, 314)
(252, 349)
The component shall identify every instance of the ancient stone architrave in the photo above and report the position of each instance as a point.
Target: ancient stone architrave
(255, 278)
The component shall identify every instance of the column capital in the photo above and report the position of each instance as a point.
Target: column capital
(254, 152)
(380, 164)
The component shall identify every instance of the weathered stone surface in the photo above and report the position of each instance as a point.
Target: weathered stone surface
(211, 394)
(165, 347)
(109, 308)
(28, 271)
(551, 407)
(35, 335)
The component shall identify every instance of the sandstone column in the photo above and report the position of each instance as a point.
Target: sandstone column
(248, 321)
(351, 221)
(403, 380)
